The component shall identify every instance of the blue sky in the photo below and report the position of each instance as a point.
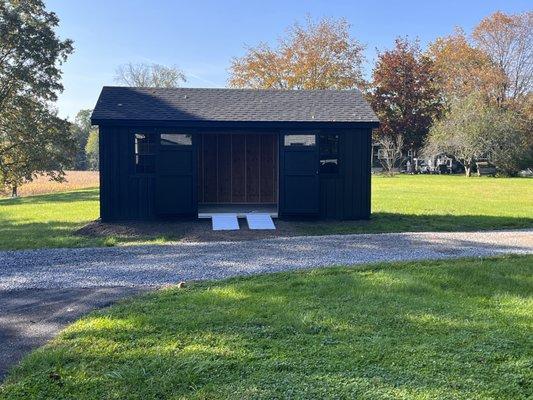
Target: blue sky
(202, 36)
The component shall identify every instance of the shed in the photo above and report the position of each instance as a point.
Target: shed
(185, 152)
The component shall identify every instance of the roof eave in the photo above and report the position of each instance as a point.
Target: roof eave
(227, 124)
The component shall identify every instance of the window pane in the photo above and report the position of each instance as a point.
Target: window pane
(329, 144)
(144, 143)
(145, 148)
(144, 137)
(176, 139)
(139, 138)
(299, 140)
(329, 153)
(329, 166)
(149, 169)
(144, 156)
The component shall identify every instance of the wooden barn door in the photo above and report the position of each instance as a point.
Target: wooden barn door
(175, 177)
(299, 175)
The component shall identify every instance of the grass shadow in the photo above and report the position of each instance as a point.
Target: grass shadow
(81, 195)
(381, 222)
(17, 235)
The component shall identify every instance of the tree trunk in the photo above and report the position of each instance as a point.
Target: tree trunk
(14, 191)
(468, 171)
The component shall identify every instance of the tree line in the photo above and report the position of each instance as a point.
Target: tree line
(467, 94)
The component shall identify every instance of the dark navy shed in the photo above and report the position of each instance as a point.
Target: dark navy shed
(181, 152)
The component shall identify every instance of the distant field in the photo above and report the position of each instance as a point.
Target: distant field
(399, 204)
(75, 180)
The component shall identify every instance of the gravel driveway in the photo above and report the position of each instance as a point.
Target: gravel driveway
(132, 266)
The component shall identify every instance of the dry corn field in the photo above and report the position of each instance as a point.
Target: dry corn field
(74, 180)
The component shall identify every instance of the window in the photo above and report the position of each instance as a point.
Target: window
(176, 139)
(329, 153)
(299, 140)
(144, 153)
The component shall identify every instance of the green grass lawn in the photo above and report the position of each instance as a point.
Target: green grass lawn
(402, 203)
(48, 220)
(441, 203)
(449, 330)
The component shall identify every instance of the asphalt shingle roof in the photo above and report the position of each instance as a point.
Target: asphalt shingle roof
(188, 104)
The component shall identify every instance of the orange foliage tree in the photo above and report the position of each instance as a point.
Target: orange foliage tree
(319, 55)
(495, 62)
(462, 69)
(508, 41)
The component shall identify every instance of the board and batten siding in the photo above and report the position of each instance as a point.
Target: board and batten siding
(347, 195)
(124, 195)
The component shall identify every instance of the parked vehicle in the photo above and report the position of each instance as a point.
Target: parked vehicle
(421, 166)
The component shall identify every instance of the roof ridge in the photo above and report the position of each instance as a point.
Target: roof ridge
(231, 89)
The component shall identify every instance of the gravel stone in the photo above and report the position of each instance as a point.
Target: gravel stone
(157, 265)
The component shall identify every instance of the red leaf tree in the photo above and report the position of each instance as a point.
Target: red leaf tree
(405, 94)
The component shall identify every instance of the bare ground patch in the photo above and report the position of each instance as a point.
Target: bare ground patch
(184, 231)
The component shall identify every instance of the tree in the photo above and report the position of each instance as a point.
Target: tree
(33, 139)
(404, 94)
(80, 132)
(149, 75)
(319, 55)
(462, 132)
(510, 142)
(30, 51)
(472, 129)
(391, 148)
(508, 41)
(92, 151)
(462, 69)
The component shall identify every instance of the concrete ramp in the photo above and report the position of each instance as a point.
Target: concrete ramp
(225, 222)
(260, 221)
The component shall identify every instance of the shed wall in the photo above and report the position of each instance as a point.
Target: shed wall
(125, 195)
(347, 195)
